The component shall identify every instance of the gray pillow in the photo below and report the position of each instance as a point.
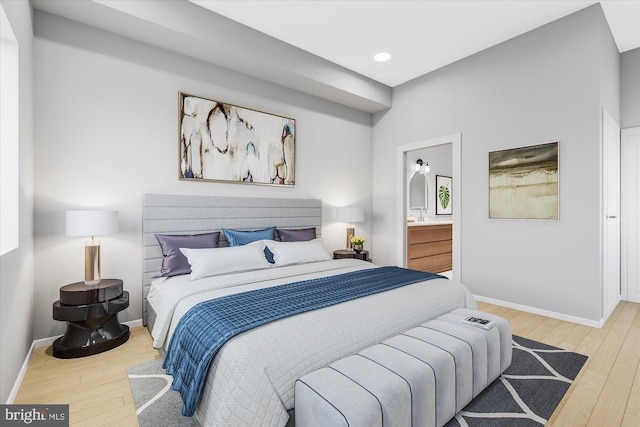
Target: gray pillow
(300, 235)
(174, 262)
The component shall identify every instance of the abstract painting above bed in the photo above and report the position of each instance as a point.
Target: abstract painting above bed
(224, 142)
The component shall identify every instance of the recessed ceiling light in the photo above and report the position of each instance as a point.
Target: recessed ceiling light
(382, 57)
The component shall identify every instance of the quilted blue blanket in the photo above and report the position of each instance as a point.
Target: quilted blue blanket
(205, 328)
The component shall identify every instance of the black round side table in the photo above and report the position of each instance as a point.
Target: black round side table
(91, 313)
(350, 253)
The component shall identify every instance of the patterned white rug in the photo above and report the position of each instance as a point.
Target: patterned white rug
(525, 395)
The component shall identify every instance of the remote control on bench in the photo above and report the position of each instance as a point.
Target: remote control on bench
(477, 322)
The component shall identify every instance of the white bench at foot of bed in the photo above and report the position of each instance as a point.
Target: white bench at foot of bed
(422, 377)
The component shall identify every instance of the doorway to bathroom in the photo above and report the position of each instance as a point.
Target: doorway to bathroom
(443, 156)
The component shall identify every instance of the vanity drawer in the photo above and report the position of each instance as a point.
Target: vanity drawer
(420, 250)
(429, 248)
(433, 264)
(429, 233)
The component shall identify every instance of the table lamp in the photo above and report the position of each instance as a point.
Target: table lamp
(91, 223)
(350, 215)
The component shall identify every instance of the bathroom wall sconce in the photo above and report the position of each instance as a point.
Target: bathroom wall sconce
(422, 167)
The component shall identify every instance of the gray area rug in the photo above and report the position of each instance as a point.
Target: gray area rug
(528, 392)
(156, 404)
(525, 395)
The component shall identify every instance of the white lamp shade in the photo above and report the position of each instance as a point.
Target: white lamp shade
(349, 214)
(90, 222)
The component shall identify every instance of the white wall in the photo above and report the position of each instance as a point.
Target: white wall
(16, 267)
(540, 87)
(107, 133)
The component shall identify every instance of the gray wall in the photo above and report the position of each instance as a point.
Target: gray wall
(16, 267)
(630, 88)
(546, 85)
(107, 133)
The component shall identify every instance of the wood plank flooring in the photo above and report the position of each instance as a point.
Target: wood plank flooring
(95, 387)
(605, 393)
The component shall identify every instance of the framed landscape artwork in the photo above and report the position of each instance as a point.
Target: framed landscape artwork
(523, 182)
(444, 197)
(224, 142)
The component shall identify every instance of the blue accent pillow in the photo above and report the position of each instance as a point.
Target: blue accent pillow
(269, 255)
(174, 262)
(241, 237)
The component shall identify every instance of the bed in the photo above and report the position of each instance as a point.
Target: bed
(251, 378)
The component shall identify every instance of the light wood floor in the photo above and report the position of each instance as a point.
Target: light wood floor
(605, 393)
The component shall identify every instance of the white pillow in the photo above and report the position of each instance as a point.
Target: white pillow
(213, 261)
(288, 253)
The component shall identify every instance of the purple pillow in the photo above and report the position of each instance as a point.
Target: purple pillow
(301, 235)
(174, 262)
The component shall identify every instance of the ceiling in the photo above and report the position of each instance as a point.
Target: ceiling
(420, 35)
(324, 47)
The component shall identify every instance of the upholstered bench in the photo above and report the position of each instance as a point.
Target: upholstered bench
(422, 377)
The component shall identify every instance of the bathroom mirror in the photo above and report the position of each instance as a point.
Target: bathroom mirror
(418, 191)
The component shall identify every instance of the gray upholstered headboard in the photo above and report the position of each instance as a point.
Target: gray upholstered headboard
(182, 214)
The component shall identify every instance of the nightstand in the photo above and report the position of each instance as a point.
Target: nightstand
(350, 253)
(91, 313)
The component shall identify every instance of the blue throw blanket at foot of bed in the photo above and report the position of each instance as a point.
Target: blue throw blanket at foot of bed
(208, 325)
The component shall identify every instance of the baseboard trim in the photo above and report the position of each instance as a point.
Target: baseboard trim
(23, 371)
(560, 316)
(609, 310)
(44, 342)
(133, 323)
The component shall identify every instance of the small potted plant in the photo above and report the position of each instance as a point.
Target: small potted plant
(357, 243)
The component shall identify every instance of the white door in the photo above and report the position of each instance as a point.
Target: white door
(630, 214)
(611, 210)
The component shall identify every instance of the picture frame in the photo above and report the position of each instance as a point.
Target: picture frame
(524, 182)
(222, 142)
(444, 195)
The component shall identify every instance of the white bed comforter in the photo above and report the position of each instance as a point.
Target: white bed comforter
(251, 379)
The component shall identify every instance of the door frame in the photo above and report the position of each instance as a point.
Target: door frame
(401, 196)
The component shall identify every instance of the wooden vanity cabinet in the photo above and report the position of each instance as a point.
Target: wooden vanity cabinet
(429, 248)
